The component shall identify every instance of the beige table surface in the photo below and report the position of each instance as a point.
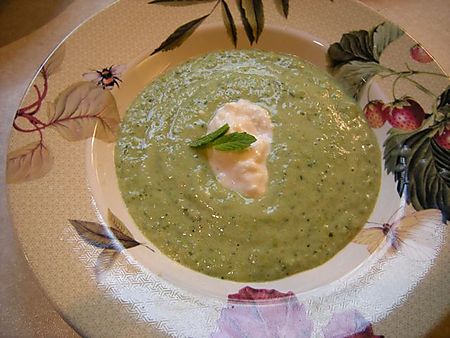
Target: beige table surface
(29, 30)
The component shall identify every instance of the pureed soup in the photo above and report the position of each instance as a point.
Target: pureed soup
(323, 168)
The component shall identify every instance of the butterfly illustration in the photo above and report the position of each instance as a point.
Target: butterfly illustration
(107, 77)
(415, 233)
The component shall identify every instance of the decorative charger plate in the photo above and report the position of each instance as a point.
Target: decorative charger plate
(107, 279)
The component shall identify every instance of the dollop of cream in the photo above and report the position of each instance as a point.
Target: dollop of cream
(243, 171)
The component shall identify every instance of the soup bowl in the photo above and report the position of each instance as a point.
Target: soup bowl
(106, 276)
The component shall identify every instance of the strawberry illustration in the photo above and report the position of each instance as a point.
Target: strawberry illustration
(406, 114)
(443, 139)
(419, 54)
(376, 113)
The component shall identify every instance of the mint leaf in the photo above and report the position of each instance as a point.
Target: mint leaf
(205, 141)
(229, 142)
(233, 142)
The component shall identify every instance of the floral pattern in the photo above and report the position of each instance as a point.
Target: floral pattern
(416, 153)
(349, 324)
(263, 313)
(81, 111)
(270, 313)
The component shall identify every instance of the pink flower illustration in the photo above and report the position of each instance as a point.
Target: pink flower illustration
(263, 313)
(349, 324)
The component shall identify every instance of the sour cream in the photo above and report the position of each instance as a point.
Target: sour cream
(243, 171)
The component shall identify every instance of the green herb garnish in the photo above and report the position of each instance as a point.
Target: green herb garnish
(233, 142)
(229, 142)
(206, 140)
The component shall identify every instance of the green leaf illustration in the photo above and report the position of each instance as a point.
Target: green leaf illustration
(353, 46)
(258, 11)
(363, 45)
(252, 15)
(229, 22)
(283, 7)
(360, 49)
(180, 35)
(355, 74)
(383, 35)
(444, 102)
(442, 161)
(245, 21)
(421, 169)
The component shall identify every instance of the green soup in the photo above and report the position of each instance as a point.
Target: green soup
(324, 168)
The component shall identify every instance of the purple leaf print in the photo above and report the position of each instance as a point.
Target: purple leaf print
(263, 313)
(84, 110)
(349, 324)
(55, 61)
(28, 163)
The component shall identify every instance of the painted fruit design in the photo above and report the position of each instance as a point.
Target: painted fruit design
(406, 114)
(419, 54)
(376, 113)
(443, 139)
